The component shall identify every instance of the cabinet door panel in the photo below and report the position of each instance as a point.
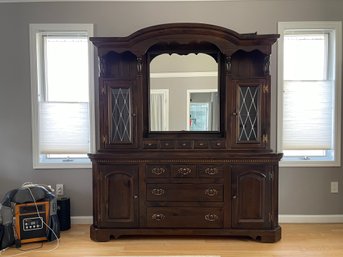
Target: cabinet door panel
(119, 190)
(251, 197)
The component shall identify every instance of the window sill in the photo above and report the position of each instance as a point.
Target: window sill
(41, 166)
(309, 163)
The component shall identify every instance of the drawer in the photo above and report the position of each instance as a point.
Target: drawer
(167, 144)
(184, 144)
(183, 171)
(150, 145)
(185, 217)
(218, 144)
(185, 192)
(157, 171)
(211, 171)
(199, 144)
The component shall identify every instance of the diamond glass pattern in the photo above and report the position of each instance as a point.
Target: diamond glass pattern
(121, 115)
(248, 113)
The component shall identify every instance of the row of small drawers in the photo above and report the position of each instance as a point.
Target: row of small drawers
(184, 170)
(184, 144)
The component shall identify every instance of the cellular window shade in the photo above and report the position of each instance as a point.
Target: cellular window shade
(308, 121)
(63, 128)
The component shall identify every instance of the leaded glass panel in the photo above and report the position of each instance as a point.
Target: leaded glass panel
(248, 113)
(121, 115)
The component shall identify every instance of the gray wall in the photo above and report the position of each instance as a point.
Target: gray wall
(302, 190)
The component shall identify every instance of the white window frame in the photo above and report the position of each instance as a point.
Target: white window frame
(42, 163)
(335, 158)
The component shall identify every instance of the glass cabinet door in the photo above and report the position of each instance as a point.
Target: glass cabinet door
(250, 114)
(118, 110)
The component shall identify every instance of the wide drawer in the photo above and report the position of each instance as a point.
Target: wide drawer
(185, 217)
(185, 192)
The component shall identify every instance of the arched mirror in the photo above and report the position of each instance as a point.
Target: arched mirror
(184, 93)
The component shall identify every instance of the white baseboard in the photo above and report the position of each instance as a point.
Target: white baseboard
(283, 218)
(81, 220)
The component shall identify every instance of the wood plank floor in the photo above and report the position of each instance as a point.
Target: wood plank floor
(298, 240)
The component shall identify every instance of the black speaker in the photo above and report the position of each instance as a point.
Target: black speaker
(63, 212)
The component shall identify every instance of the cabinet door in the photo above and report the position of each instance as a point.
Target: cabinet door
(251, 196)
(117, 114)
(119, 195)
(250, 117)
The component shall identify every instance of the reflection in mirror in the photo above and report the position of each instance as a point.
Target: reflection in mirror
(184, 93)
(203, 110)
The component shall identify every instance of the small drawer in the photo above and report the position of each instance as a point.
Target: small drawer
(185, 192)
(185, 217)
(150, 145)
(167, 144)
(211, 171)
(184, 144)
(183, 171)
(200, 144)
(157, 171)
(219, 144)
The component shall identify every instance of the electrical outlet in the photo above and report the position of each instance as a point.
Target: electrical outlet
(59, 190)
(334, 187)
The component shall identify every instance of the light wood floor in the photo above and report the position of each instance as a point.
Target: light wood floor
(298, 240)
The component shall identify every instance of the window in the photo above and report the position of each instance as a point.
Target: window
(309, 92)
(61, 85)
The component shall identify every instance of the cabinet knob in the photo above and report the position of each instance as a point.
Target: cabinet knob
(234, 197)
(158, 216)
(134, 114)
(234, 113)
(211, 171)
(211, 217)
(158, 171)
(211, 192)
(184, 171)
(135, 196)
(158, 191)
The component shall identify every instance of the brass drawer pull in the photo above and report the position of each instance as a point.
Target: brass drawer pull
(184, 171)
(158, 191)
(211, 217)
(211, 192)
(158, 171)
(158, 216)
(211, 171)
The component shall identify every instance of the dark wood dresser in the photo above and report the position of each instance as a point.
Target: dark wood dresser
(222, 181)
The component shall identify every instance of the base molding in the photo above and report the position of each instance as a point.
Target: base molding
(88, 220)
(283, 218)
(294, 218)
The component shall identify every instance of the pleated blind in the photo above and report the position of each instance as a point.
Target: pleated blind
(64, 128)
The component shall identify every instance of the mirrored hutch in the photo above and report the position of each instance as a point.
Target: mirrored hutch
(183, 148)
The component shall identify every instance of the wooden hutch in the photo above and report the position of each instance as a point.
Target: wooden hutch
(222, 182)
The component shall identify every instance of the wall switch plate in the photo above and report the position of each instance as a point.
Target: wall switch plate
(334, 187)
(59, 190)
